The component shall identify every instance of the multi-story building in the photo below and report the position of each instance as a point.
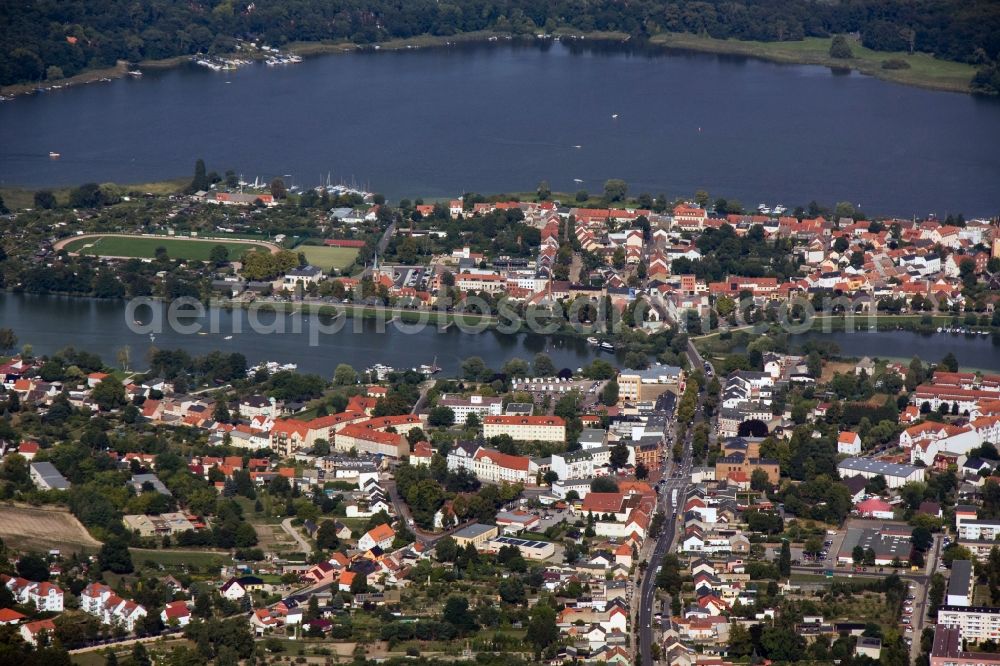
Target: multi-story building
(526, 428)
(479, 405)
(649, 384)
(744, 467)
(43, 596)
(947, 650)
(976, 623)
(961, 584)
(979, 530)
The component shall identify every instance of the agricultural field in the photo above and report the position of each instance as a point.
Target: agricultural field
(31, 528)
(144, 247)
(328, 257)
(176, 559)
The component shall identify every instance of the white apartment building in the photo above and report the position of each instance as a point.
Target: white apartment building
(976, 623)
(475, 404)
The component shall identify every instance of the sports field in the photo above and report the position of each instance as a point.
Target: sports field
(328, 257)
(144, 247)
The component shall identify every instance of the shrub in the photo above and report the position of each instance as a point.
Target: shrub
(895, 63)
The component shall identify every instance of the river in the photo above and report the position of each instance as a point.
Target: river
(502, 117)
(51, 323)
(976, 352)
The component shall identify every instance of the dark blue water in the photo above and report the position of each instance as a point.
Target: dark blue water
(978, 352)
(51, 323)
(500, 117)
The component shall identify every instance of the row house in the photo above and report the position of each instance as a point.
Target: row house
(45, 597)
(101, 601)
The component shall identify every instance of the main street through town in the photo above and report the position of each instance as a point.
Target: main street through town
(676, 477)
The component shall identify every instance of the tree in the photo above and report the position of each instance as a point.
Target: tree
(446, 550)
(441, 416)
(114, 556)
(7, 339)
(542, 630)
(641, 471)
(45, 200)
(543, 365)
(615, 189)
(603, 484)
(813, 545)
(219, 255)
(609, 394)
(474, 368)
(544, 191)
(139, 655)
(858, 555)
(785, 559)
(278, 189)
(200, 181)
(949, 363)
(345, 375)
(221, 411)
(759, 480)
(921, 538)
(619, 455)
(456, 613)
(326, 535)
(87, 195)
(109, 394)
(33, 567)
(840, 49)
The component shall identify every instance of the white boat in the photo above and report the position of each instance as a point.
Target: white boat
(592, 341)
(577, 180)
(939, 329)
(607, 346)
(136, 73)
(54, 155)
(578, 146)
(228, 337)
(614, 116)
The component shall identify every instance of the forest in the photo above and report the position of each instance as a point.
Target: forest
(50, 39)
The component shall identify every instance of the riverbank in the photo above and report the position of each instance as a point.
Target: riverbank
(304, 49)
(924, 70)
(87, 76)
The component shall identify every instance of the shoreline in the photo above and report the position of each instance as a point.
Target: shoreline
(925, 71)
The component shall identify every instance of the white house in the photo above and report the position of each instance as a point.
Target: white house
(849, 443)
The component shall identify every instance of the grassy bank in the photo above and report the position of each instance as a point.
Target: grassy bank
(88, 76)
(925, 71)
(19, 198)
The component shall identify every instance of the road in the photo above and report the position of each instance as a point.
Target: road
(286, 525)
(664, 542)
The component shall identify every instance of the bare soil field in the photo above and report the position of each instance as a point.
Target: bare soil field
(38, 528)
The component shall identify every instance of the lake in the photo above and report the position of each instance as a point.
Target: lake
(502, 117)
(51, 323)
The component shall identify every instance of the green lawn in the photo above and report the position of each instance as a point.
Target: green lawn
(145, 248)
(328, 257)
(925, 70)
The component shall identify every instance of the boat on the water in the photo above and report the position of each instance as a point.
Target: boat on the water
(54, 155)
